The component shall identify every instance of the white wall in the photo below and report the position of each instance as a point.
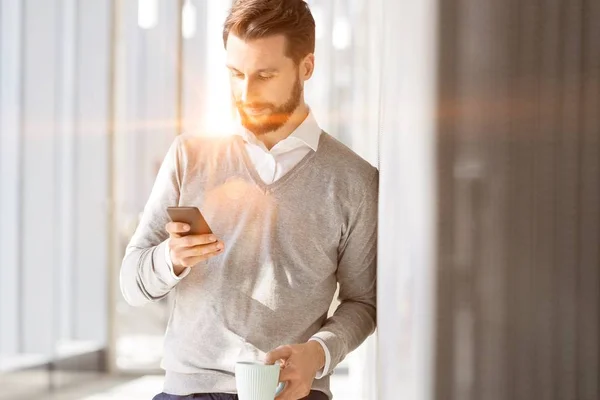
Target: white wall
(406, 287)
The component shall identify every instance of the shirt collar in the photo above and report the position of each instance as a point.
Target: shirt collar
(308, 132)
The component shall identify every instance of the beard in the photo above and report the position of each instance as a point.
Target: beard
(274, 119)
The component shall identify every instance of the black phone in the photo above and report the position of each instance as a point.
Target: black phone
(191, 216)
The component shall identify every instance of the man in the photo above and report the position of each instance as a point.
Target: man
(293, 212)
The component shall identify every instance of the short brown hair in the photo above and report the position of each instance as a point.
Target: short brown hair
(254, 19)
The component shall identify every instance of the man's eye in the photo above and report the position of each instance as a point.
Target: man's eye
(265, 77)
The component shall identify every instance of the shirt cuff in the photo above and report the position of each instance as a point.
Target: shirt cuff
(170, 264)
(325, 371)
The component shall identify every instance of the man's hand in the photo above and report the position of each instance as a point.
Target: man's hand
(187, 251)
(300, 363)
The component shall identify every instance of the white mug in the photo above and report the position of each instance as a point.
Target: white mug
(257, 381)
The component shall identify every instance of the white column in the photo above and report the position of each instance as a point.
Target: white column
(92, 178)
(37, 241)
(406, 279)
(10, 173)
(65, 193)
(366, 46)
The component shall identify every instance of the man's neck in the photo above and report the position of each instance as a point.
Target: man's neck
(270, 139)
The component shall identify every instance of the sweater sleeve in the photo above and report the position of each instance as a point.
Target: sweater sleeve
(145, 273)
(355, 318)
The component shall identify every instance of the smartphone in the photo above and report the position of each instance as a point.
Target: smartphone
(191, 216)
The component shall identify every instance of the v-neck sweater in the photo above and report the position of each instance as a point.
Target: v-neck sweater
(287, 246)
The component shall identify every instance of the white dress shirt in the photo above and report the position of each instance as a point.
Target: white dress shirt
(273, 164)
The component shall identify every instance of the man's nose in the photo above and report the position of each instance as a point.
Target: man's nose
(248, 91)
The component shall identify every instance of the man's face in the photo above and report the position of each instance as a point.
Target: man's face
(267, 86)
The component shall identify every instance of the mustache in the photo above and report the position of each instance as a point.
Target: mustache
(253, 105)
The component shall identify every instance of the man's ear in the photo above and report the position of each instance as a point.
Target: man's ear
(307, 67)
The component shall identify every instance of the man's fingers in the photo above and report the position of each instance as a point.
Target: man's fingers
(194, 257)
(190, 262)
(280, 353)
(288, 374)
(177, 227)
(200, 250)
(193, 240)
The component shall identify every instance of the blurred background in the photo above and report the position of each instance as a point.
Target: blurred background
(482, 116)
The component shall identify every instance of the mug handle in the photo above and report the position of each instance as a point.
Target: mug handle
(280, 388)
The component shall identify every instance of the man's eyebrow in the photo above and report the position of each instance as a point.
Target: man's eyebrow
(267, 70)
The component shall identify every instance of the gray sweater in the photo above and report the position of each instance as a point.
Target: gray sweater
(287, 245)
